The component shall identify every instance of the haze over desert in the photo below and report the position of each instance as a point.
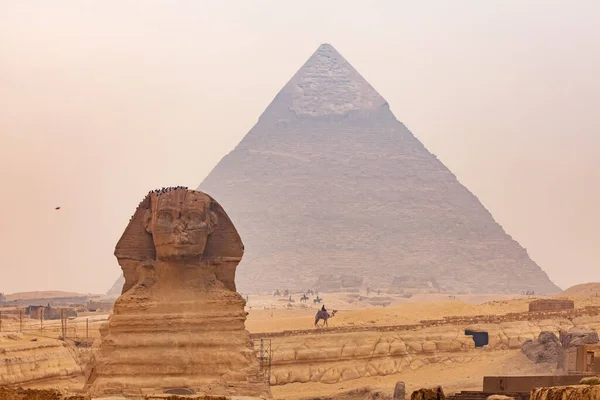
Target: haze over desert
(339, 200)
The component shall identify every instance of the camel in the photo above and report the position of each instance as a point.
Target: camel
(304, 298)
(276, 293)
(324, 315)
(317, 300)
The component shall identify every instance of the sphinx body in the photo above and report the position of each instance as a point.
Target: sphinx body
(179, 322)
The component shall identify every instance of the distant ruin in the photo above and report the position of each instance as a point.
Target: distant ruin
(551, 305)
(414, 284)
(49, 312)
(179, 323)
(337, 283)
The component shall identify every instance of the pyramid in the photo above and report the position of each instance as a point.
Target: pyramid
(329, 184)
(116, 288)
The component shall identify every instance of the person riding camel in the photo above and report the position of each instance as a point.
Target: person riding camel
(323, 308)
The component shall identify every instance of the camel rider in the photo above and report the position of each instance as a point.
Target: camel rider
(323, 308)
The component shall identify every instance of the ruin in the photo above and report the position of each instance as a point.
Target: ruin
(179, 323)
(516, 387)
(49, 312)
(551, 305)
(581, 359)
(337, 283)
(328, 181)
(99, 306)
(411, 284)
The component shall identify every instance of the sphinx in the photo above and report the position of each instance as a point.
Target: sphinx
(179, 322)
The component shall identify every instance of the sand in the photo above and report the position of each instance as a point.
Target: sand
(262, 318)
(269, 314)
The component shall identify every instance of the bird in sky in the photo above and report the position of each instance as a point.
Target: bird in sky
(57, 208)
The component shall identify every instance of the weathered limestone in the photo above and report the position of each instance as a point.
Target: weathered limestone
(340, 357)
(428, 394)
(591, 380)
(578, 392)
(38, 394)
(23, 360)
(7, 393)
(354, 353)
(179, 322)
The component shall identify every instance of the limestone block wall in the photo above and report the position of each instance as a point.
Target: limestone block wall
(340, 355)
(23, 360)
(551, 305)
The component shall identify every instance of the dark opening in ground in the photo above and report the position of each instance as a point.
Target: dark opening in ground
(182, 391)
(480, 338)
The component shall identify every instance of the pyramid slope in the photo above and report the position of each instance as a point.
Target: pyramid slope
(117, 287)
(328, 85)
(329, 182)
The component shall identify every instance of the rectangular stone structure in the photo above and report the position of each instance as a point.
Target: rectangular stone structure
(551, 305)
(512, 384)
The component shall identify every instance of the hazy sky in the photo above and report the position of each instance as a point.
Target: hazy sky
(101, 101)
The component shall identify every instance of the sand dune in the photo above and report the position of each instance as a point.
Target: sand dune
(44, 294)
(591, 289)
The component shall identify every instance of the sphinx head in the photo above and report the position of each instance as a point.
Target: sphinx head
(180, 222)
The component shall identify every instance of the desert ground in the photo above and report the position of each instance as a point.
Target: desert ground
(269, 314)
(351, 312)
(468, 376)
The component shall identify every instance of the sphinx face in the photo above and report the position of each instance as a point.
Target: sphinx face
(180, 224)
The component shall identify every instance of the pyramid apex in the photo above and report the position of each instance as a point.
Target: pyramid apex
(328, 85)
(326, 46)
